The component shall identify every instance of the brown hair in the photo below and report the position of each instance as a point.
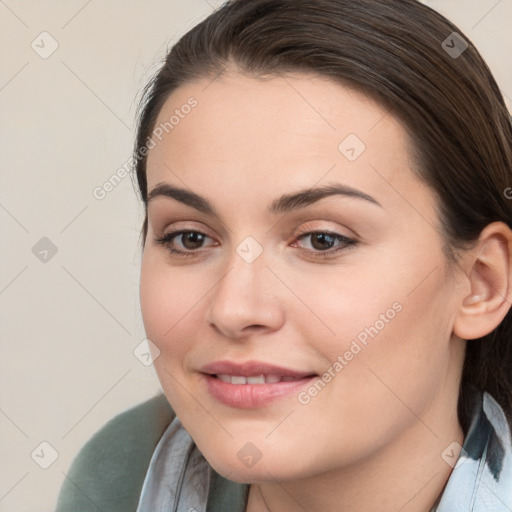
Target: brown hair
(404, 55)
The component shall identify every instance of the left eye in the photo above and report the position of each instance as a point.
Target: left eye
(324, 241)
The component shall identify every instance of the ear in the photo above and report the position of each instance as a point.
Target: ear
(490, 279)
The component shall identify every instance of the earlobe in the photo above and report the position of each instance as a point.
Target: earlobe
(490, 279)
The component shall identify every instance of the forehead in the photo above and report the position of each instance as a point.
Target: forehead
(253, 134)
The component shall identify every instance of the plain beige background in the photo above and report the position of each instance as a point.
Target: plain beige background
(70, 319)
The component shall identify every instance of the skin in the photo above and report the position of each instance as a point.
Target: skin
(372, 439)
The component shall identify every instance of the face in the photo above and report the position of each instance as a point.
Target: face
(347, 296)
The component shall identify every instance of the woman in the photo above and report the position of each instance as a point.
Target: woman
(326, 273)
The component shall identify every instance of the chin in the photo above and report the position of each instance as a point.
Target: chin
(269, 470)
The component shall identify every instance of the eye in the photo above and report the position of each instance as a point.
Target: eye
(322, 243)
(190, 241)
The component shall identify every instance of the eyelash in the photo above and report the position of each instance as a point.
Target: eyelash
(348, 243)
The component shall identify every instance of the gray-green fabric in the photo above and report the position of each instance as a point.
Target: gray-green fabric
(108, 473)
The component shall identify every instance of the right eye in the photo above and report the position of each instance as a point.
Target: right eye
(190, 241)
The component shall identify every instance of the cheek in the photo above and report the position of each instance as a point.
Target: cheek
(167, 306)
(167, 302)
(154, 301)
(354, 306)
(411, 353)
(394, 322)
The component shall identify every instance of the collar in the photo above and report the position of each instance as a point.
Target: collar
(179, 479)
(481, 480)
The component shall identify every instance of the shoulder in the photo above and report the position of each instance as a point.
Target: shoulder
(109, 470)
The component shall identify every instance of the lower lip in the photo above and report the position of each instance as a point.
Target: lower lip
(250, 396)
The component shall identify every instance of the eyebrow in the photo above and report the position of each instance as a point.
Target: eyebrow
(283, 204)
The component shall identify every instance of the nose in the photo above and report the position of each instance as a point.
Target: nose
(245, 300)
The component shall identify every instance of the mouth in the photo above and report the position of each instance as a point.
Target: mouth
(255, 379)
(250, 369)
(252, 384)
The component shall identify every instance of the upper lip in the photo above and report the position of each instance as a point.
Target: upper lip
(251, 369)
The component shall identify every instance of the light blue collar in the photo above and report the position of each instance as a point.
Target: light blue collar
(481, 480)
(178, 475)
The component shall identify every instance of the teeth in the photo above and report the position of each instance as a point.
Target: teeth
(260, 379)
(257, 379)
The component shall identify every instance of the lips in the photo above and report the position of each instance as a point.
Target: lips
(253, 383)
(252, 369)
